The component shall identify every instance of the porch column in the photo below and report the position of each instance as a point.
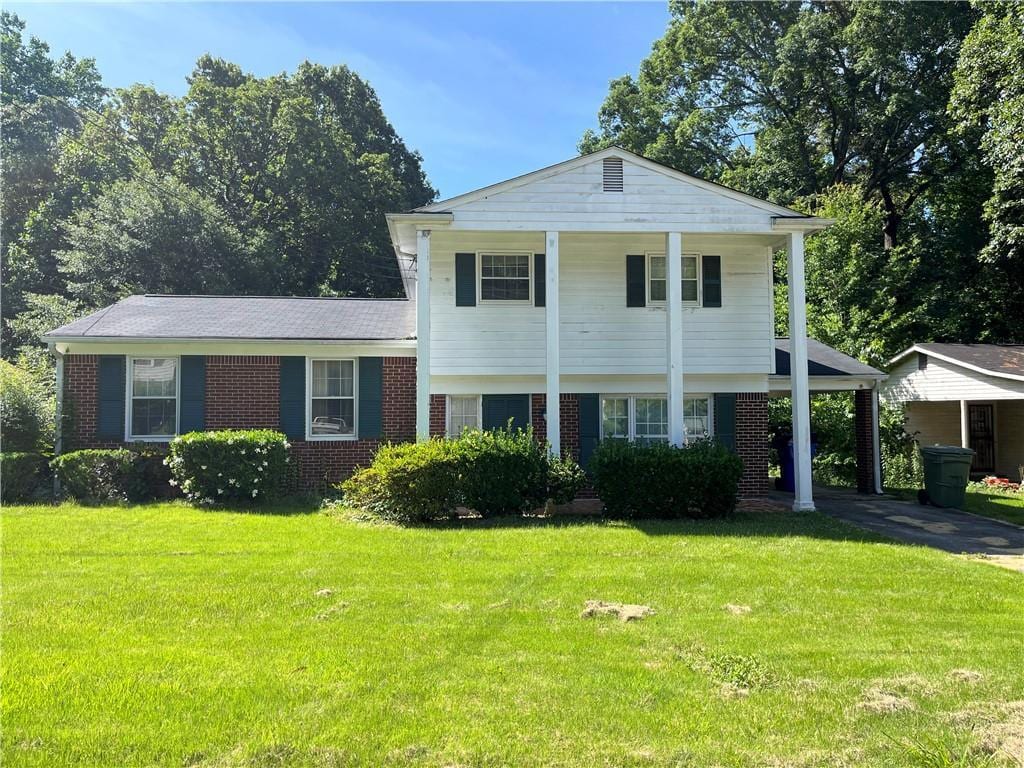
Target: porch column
(965, 426)
(553, 387)
(876, 439)
(674, 334)
(422, 334)
(803, 500)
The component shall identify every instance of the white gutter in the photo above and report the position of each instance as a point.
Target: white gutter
(221, 340)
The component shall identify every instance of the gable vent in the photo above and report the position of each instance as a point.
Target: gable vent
(613, 174)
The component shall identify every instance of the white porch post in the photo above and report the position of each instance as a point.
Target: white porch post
(553, 386)
(803, 500)
(422, 334)
(876, 440)
(674, 334)
(965, 427)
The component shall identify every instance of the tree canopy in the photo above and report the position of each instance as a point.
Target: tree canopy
(843, 109)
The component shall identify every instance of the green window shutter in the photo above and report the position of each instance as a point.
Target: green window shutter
(725, 420)
(110, 393)
(498, 409)
(293, 397)
(465, 279)
(636, 279)
(712, 274)
(193, 394)
(371, 396)
(590, 426)
(539, 280)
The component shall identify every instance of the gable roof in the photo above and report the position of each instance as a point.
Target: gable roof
(1002, 360)
(446, 206)
(245, 317)
(822, 360)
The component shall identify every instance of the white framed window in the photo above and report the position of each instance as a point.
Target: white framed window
(331, 395)
(645, 417)
(152, 412)
(506, 277)
(657, 283)
(464, 412)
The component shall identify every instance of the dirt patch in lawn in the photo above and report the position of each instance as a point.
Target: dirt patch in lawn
(737, 610)
(966, 676)
(998, 728)
(622, 611)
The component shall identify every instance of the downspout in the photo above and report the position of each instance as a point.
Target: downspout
(58, 435)
(876, 442)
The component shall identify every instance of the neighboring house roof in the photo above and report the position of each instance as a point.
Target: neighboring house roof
(444, 206)
(1002, 360)
(246, 317)
(822, 360)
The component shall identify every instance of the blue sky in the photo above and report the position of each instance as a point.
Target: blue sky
(485, 91)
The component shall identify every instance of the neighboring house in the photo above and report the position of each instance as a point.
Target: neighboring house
(606, 296)
(970, 395)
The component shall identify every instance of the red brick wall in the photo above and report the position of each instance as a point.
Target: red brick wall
(243, 392)
(752, 442)
(569, 421)
(438, 415)
(865, 444)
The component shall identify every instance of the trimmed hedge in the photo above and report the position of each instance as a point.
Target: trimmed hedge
(493, 473)
(230, 466)
(22, 475)
(96, 475)
(659, 480)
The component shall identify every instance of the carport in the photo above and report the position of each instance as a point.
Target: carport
(829, 370)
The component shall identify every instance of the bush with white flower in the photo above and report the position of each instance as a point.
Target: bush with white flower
(231, 466)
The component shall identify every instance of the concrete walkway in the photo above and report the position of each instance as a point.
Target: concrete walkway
(947, 529)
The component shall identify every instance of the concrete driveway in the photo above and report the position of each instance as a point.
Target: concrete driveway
(947, 529)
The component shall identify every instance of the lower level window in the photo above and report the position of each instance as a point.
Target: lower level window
(645, 418)
(332, 406)
(154, 397)
(463, 414)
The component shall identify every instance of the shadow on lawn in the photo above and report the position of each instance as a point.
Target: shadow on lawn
(742, 524)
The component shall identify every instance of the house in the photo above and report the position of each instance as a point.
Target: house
(971, 395)
(605, 296)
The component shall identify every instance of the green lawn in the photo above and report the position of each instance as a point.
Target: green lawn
(1001, 505)
(162, 635)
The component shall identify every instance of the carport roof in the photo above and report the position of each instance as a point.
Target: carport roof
(823, 360)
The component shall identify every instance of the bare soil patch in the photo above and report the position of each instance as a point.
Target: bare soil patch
(622, 611)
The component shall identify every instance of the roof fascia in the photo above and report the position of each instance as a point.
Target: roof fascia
(959, 363)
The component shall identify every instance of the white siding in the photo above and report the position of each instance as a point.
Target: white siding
(934, 423)
(945, 381)
(1010, 438)
(575, 200)
(599, 333)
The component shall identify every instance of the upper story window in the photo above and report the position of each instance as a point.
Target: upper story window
(645, 417)
(505, 276)
(658, 285)
(332, 399)
(153, 394)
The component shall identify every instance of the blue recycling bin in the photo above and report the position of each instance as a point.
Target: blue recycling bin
(788, 480)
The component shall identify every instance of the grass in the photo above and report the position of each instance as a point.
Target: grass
(163, 635)
(1002, 505)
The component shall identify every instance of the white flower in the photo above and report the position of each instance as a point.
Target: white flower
(243, 451)
(220, 491)
(166, 462)
(255, 479)
(173, 482)
(220, 474)
(259, 469)
(254, 492)
(265, 463)
(202, 467)
(287, 444)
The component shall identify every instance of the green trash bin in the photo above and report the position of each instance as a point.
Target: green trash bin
(947, 468)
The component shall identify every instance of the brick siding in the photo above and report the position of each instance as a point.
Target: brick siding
(81, 403)
(569, 421)
(752, 442)
(438, 415)
(243, 392)
(865, 444)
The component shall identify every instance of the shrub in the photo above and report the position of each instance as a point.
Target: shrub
(409, 482)
(566, 479)
(230, 465)
(901, 458)
(26, 411)
(659, 480)
(21, 475)
(98, 475)
(504, 471)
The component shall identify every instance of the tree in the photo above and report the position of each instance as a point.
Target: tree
(156, 235)
(988, 97)
(830, 92)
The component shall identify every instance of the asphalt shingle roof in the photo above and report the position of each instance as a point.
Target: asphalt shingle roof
(998, 358)
(822, 360)
(247, 317)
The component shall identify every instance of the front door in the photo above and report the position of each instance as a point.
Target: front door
(981, 437)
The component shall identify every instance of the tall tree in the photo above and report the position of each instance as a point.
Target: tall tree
(831, 93)
(989, 98)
